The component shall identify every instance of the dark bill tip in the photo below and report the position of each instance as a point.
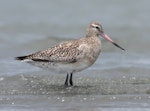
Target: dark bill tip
(119, 46)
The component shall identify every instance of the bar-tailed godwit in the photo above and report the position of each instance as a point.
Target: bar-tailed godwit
(71, 56)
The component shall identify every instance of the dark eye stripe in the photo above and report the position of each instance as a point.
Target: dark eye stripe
(98, 27)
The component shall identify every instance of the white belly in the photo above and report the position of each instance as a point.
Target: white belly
(63, 68)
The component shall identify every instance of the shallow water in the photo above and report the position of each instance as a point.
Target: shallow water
(118, 81)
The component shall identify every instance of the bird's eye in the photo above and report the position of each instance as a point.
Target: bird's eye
(97, 28)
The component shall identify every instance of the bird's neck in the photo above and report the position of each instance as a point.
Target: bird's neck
(91, 34)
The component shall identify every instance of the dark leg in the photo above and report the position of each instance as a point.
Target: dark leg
(66, 81)
(70, 80)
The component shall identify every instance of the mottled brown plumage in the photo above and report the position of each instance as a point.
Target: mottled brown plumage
(71, 56)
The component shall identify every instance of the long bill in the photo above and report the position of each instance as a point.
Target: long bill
(105, 36)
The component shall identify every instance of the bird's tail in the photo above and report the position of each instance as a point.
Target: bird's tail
(21, 58)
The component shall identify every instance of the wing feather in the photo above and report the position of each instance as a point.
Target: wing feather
(63, 52)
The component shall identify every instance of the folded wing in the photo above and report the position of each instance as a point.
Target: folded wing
(63, 52)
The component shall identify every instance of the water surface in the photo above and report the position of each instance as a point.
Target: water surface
(118, 81)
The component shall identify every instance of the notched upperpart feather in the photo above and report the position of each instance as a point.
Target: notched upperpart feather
(65, 52)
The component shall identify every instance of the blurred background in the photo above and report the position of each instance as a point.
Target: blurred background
(118, 79)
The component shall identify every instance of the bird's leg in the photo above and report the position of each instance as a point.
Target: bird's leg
(66, 81)
(70, 80)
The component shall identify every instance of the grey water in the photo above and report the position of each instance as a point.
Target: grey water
(118, 81)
